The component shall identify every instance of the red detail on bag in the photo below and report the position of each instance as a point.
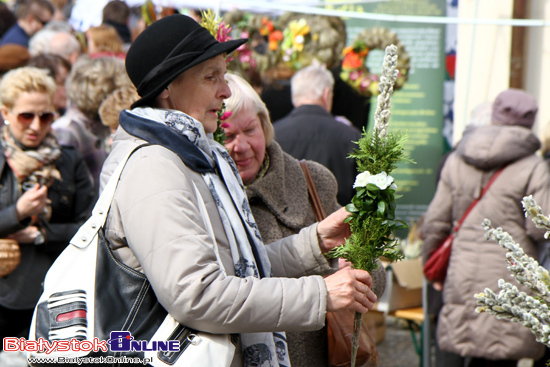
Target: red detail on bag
(71, 315)
(435, 269)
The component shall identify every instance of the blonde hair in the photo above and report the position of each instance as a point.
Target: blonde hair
(120, 99)
(243, 96)
(26, 79)
(92, 80)
(105, 38)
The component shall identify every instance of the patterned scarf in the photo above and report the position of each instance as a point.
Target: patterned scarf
(247, 249)
(32, 166)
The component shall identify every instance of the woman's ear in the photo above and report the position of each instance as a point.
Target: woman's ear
(4, 110)
(163, 100)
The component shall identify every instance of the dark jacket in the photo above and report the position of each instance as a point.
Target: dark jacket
(72, 200)
(310, 132)
(15, 35)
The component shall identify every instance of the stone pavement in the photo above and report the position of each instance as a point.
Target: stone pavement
(397, 349)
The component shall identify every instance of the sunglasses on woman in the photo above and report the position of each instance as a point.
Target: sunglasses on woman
(28, 117)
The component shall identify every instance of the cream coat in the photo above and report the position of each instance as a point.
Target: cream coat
(154, 225)
(475, 262)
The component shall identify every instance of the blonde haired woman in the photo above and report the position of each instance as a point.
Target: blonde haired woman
(104, 40)
(88, 84)
(45, 191)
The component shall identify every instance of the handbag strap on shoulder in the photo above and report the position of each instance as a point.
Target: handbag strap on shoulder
(88, 230)
(314, 199)
(476, 200)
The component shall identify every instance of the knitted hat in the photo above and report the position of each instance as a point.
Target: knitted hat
(514, 107)
(13, 56)
(166, 49)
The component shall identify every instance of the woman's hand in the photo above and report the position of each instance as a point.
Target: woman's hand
(32, 202)
(332, 231)
(349, 289)
(26, 235)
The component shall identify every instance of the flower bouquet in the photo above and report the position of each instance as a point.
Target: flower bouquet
(532, 311)
(372, 219)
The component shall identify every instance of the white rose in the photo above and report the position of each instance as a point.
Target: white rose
(382, 180)
(362, 179)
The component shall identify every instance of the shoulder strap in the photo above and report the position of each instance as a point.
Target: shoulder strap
(314, 199)
(473, 204)
(88, 230)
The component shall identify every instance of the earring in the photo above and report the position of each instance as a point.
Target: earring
(6, 122)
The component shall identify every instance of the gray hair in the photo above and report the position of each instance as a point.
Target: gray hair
(310, 82)
(64, 44)
(40, 42)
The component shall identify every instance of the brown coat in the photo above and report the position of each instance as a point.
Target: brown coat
(476, 263)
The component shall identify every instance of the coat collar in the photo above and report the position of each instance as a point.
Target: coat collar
(289, 203)
(160, 134)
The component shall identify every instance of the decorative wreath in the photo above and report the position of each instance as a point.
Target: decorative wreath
(354, 69)
(290, 42)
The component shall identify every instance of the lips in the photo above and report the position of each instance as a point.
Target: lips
(243, 162)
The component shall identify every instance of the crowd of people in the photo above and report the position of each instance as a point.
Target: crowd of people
(226, 234)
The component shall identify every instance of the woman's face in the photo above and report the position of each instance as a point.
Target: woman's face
(31, 117)
(246, 143)
(200, 91)
(60, 98)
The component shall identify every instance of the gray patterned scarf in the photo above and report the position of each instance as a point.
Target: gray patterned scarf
(247, 249)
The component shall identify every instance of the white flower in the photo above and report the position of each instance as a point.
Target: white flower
(393, 186)
(362, 179)
(382, 180)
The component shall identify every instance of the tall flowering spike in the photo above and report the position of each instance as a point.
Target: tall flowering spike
(387, 81)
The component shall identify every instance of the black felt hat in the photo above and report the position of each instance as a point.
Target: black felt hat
(166, 49)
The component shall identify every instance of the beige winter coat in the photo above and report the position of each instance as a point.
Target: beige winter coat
(475, 262)
(154, 225)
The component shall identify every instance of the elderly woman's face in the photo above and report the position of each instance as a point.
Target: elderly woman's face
(31, 117)
(200, 91)
(246, 143)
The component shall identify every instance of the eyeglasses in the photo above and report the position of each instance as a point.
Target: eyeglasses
(28, 117)
(41, 21)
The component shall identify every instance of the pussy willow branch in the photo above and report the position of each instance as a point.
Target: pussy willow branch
(387, 80)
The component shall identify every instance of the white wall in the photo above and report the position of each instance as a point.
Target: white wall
(483, 58)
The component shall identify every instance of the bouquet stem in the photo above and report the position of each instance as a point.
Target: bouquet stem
(355, 337)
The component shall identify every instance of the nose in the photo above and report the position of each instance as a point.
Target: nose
(240, 144)
(35, 124)
(224, 91)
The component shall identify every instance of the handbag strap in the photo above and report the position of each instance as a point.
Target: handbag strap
(88, 230)
(476, 200)
(314, 199)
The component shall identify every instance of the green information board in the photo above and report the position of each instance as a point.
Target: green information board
(418, 107)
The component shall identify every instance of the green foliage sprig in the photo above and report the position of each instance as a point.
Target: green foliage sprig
(372, 220)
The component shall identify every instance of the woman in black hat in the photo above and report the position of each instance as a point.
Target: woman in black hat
(180, 213)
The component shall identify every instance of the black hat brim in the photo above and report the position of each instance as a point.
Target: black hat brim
(165, 80)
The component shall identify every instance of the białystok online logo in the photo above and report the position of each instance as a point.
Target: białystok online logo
(120, 341)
